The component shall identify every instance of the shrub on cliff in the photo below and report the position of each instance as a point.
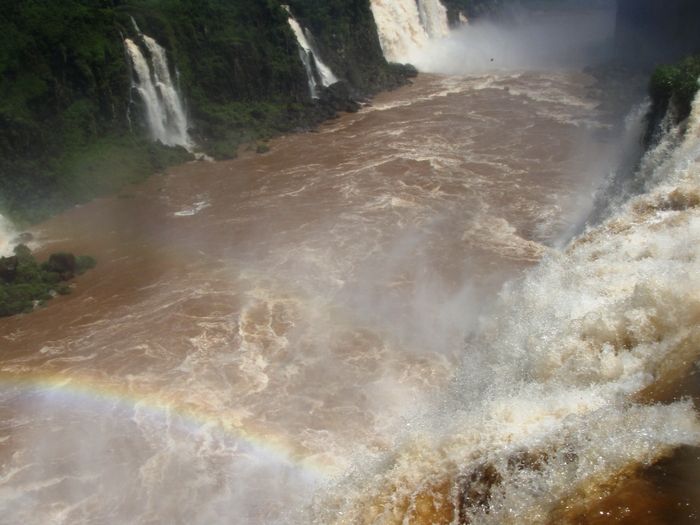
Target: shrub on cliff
(676, 84)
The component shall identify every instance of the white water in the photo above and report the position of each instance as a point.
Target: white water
(418, 33)
(547, 409)
(7, 233)
(545, 398)
(316, 71)
(406, 27)
(165, 114)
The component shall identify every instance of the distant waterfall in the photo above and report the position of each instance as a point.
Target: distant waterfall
(317, 72)
(7, 233)
(407, 26)
(165, 114)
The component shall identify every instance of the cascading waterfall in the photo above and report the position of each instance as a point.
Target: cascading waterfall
(407, 26)
(165, 114)
(6, 234)
(317, 72)
(556, 401)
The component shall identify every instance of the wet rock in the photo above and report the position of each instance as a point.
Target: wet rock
(405, 70)
(62, 264)
(8, 268)
(340, 97)
(475, 490)
(22, 238)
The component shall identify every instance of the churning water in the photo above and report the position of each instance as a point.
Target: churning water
(322, 334)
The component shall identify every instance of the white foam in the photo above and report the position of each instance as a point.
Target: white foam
(529, 43)
(408, 26)
(544, 411)
(195, 208)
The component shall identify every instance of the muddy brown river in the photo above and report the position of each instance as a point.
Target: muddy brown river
(262, 335)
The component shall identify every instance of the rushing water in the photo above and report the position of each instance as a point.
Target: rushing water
(318, 73)
(164, 111)
(7, 233)
(316, 335)
(406, 27)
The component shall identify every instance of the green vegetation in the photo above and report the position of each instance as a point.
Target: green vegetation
(676, 84)
(346, 36)
(64, 91)
(26, 285)
(83, 263)
(65, 86)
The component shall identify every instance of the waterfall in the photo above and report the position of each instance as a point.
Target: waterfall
(7, 233)
(165, 114)
(556, 394)
(407, 26)
(317, 72)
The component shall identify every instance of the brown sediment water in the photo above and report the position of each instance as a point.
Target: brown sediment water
(257, 327)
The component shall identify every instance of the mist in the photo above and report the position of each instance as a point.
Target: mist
(528, 40)
(7, 233)
(378, 301)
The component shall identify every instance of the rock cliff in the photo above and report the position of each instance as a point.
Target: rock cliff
(71, 129)
(653, 31)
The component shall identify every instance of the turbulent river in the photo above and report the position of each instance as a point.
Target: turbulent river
(384, 322)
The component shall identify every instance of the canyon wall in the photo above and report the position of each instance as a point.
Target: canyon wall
(74, 123)
(650, 32)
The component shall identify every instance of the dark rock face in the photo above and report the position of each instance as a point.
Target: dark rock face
(62, 264)
(340, 97)
(8, 268)
(650, 32)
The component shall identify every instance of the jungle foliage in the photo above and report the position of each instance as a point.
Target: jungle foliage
(65, 86)
(676, 84)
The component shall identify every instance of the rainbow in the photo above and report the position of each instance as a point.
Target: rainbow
(265, 443)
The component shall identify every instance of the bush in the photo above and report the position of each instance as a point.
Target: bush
(83, 263)
(677, 84)
(63, 289)
(30, 285)
(24, 254)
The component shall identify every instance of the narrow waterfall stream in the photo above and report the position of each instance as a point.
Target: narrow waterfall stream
(164, 111)
(7, 233)
(317, 72)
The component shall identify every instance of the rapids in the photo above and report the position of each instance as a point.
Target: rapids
(253, 326)
(371, 324)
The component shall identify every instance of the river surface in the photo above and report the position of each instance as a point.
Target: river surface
(261, 336)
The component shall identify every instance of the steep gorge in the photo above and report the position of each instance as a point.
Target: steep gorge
(653, 31)
(68, 133)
